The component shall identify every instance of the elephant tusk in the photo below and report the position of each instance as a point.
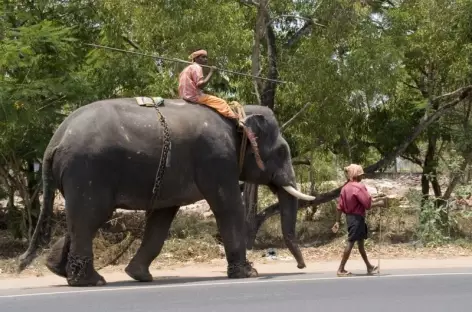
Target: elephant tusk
(292, 191)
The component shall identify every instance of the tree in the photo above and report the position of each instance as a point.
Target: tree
(38, 74)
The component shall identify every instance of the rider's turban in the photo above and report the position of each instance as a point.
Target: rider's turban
(196, 54)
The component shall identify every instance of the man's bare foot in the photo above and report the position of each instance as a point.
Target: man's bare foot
(343, 273)
(372, 269)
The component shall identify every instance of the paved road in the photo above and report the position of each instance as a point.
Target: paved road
(428, 290)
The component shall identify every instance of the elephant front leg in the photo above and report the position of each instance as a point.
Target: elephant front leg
(226, 203)
(158, 223)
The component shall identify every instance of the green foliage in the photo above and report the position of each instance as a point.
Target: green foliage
(35, 62)
(432, 223)
(368, 72)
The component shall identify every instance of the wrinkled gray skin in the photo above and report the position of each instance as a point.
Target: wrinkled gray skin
(105, 155)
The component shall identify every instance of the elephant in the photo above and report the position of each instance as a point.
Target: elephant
(104, 156)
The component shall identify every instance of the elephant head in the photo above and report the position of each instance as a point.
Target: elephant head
(277, 173)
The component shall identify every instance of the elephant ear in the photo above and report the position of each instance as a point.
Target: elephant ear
(265, 134)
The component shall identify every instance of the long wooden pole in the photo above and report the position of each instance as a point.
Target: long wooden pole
(179, 61)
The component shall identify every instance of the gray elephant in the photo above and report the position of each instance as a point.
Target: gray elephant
(105, 156)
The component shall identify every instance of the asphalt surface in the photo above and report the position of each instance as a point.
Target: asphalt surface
(406, 290)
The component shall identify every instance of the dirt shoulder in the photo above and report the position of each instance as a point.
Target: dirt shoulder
(217, 269)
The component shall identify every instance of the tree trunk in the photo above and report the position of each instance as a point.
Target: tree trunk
(428, 166)
(33, 193)
(457, 176)
(268, 93)
(11, 198)
(266, 96)
(250, 197)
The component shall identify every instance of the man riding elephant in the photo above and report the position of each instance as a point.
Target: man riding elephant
(192, 82)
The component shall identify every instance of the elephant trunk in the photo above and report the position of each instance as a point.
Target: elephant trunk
(288, 213)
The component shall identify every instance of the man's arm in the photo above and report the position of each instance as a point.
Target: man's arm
(203, 82)
(339, 208)
(339, 212)
(338, 215)
(363, 197)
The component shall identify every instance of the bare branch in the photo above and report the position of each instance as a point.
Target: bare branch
(305, 29)
(318, 5)
(249, 2)
(305, 162)
(131, 43)
(299, 34)
(285, 125)
(459, 92)
(307, 19)
(457, 176)
(275, 208)
(7, 176)
(137, 47)
(413, 159)
(410, 85)
(420, 127)
(290, 15)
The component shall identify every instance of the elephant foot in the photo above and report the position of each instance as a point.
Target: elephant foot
(58, 270)
(138, 273)
(80, 272)
(243, 270)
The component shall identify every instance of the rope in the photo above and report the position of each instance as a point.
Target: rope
(238, 110)
(380, 237)
(380, 228)
(379, 247)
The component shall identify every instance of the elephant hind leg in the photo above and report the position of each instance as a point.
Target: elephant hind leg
(86, 213)
(56, 262)
(158, 223)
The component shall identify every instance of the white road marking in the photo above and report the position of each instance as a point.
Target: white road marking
(249, 281)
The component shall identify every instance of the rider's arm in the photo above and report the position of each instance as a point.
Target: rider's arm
(203, 82)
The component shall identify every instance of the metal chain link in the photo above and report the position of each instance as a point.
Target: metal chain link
(162, 163)
(233, 268)
(78, 265)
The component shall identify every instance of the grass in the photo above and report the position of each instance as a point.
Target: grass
(195, 239)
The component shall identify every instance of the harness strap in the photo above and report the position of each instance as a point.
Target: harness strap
(247, 134)
(242, 114)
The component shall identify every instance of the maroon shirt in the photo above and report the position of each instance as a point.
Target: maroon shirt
(354, 199)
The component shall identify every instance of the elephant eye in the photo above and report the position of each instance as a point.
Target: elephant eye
(282, 152)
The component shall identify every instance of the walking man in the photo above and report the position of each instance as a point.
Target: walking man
(353, 201)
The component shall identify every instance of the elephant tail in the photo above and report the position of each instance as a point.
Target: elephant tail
(42, 232)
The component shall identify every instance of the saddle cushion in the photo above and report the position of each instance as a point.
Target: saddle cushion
(159, 101)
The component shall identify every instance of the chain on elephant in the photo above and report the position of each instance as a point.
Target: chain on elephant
(241, 270)
(80, 271)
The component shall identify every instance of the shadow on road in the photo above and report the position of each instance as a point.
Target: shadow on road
(370, 275)
(169, 280)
